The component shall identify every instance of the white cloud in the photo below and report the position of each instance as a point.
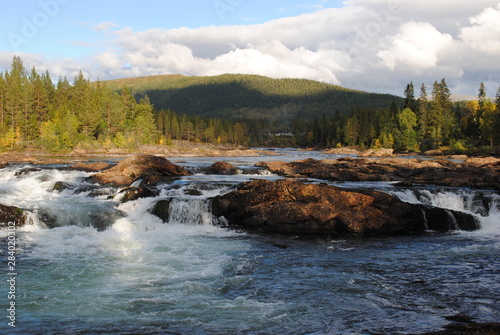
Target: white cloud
(484, 34)
(416, 47)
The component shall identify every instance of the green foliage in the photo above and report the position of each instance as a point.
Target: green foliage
(34, 112)
(236, 109)
(407, 124)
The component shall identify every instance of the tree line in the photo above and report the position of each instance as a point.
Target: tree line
(419, 124)
(36, 113)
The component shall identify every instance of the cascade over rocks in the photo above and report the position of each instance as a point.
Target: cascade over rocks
(290, 206)
(151, 169)
(483, 173)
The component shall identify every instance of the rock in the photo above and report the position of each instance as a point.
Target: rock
(377, 153)
(134, 193)
(26, 171)
(90, 167)
(435, 152)
(341, 151)
(482, 161)
(290, 206)
(478, 174)
(442, 220)
(193, 192)
(9, 214)
(222, 168)
(468, 328)
(162, 209)
(101, 217)
(60, 186)
(151, 169)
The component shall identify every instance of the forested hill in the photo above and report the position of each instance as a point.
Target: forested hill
(235, 96)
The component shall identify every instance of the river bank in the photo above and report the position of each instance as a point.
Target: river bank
(179, 149)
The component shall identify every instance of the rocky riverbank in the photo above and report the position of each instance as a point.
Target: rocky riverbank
(178, 149)
(480, 173)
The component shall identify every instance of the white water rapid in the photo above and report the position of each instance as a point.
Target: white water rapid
(89, 264)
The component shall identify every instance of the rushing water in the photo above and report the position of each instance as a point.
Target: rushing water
(91, 265)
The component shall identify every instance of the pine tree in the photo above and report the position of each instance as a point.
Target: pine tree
(128, 103)
(407, 123)
(409, 101)
(86, 105)
(497, 100)
(352, 131)
(423, 114)
(15, 102)
(442, 120)
(40, 103)
(144, 123)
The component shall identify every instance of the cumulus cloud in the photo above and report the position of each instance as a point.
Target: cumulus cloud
(484, 34)
(416, 47)
(375, 45)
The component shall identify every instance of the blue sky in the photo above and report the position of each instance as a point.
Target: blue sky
(70, 30)
(372, 45)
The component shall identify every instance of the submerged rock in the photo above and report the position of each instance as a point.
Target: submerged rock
(162, 209)
(134, 193)
(151, 169)
(26, 171)
(290, 206)
(60, 186)
(99, 217)
(10, 215)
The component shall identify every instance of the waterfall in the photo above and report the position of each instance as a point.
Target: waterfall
(426, 223)
(453, 221)
(484, 205)
(190, 211)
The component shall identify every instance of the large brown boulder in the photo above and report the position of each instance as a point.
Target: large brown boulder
(222, 168)
(151, 169)
(290, 206)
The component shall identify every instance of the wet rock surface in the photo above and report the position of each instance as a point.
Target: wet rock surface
(161, 209)
(150, 169)
(290, 206)
(12, 214)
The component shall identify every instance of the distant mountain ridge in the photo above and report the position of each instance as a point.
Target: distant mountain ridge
(237, 96)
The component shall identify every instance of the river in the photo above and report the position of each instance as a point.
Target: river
(89, 264)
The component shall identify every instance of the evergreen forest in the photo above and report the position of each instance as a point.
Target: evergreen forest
(36, 112)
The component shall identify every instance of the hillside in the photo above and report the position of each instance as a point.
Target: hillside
(234, 96)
